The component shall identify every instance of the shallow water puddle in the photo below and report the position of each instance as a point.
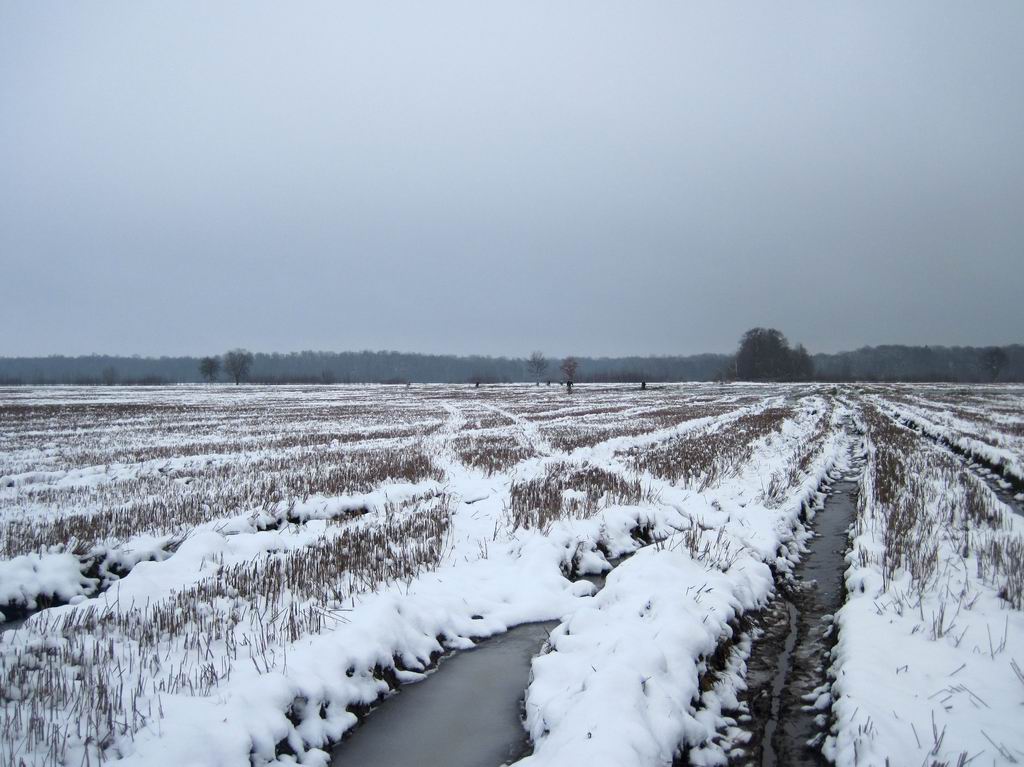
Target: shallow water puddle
(787, 662)
(467, 713)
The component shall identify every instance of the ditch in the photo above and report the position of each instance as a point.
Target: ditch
(466, 713)
(788, 666)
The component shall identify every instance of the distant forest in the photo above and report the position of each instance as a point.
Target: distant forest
(878, 363)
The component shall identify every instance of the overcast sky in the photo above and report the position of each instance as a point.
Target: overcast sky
(488, 176)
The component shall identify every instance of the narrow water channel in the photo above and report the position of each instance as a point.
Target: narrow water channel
(467, 713)
(1003, 489)
(788, 658)
(13, 624)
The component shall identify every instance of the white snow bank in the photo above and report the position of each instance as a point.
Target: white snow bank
(904, 695)
(618, 688)
(26, 579)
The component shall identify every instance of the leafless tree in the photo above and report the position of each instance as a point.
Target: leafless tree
(209, 368)
(537, 364)
(237, 363)
(569, 366)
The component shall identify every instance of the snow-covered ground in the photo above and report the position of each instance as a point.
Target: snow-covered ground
(926, 666)
(986, 422)
(241, 571)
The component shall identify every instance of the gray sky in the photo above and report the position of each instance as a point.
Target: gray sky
(579, 176)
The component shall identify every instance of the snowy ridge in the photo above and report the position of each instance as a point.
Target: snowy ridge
(925, 666)
(1007, 461)
(60, 576)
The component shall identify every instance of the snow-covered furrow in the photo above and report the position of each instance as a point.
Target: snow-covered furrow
(31, 582)
(976, 456)
(1006, 463)
(926, 667)
(90, 476)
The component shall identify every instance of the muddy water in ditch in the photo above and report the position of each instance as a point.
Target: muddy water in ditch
(788, 660)
(467, 713)
(12, 625)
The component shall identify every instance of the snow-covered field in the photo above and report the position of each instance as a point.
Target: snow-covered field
(232, 575)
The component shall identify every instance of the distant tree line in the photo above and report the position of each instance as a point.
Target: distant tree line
(350, 367)
(882, 363)
(765, 354)
(967, 364)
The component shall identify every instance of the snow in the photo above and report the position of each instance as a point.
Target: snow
(630, 676)
(924, 669)
(621, 685)
(26, 579)
(974, 428)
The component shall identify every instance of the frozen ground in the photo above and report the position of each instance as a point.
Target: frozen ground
(237, 573)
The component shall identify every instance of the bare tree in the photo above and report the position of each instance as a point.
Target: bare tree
(537, 363)
(209, 368)
(237, 363)
(569, 367)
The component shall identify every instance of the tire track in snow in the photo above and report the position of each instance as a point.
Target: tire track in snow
(527, 433)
